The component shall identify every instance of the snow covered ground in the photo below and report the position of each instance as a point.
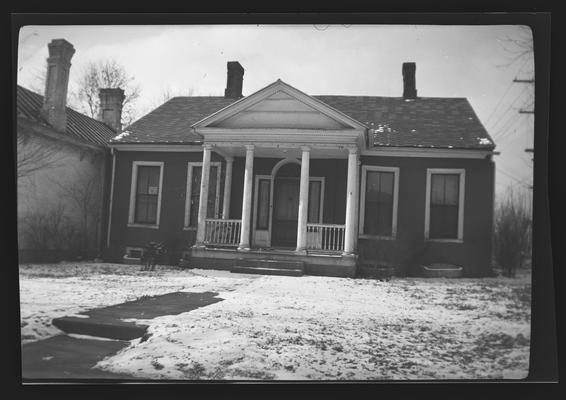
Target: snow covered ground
(312, 328)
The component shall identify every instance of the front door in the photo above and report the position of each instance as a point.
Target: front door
(285, 212)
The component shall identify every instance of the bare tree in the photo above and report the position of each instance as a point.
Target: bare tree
(84, 192)
(512, 236)
(520, 47)
(33, 156)
(167, 94)
(106, 74)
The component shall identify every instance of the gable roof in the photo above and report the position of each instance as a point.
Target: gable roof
(79, 126)
(426, 122)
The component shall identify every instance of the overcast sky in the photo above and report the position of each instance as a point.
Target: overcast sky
(452, 61)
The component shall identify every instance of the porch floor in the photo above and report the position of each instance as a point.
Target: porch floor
(316, 262)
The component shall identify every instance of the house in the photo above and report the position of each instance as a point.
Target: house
(62, 166)
(330, 183)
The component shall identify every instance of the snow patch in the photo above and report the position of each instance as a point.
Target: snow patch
(121, 135)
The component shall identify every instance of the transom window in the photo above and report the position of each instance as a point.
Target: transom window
(378, 208)
(445, 197)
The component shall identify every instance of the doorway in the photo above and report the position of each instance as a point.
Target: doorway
(285, 212)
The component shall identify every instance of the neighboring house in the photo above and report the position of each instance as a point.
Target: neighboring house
(62, 170)
(332, 182)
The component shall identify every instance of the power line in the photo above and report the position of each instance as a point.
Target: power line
(505, 133)
(506, 91)
(509, 108)
(517, 180)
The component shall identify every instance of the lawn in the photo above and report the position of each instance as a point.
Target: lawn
(307, 328)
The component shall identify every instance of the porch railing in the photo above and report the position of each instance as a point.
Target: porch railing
(328, 237)
(224, 232)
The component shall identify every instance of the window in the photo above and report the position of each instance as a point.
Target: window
(145, 195)
(444, 215)
(263, 204)
(193, 192)
(378, 208)
(314, 209)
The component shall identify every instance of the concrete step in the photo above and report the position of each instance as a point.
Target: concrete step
(267, 271)
(272, 264)
(96, 327)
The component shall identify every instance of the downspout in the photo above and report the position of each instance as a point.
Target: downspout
(111, 197)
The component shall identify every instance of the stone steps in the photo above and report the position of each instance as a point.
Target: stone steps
(267, 271)
(269, 263)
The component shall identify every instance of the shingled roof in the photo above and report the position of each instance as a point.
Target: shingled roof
(79, 126)
(171, 122)
(436, 122)
(424, 122)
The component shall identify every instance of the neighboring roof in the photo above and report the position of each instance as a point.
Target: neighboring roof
(424, 122)
(171, 122)
(393, 121)
(80, 126)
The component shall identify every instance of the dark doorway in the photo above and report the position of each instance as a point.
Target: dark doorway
(285, 207)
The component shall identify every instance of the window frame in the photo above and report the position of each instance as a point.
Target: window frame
(363, 186)
(190, 167)
(133, 188)
(461, 196)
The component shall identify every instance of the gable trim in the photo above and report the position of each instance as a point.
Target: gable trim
(271, 89)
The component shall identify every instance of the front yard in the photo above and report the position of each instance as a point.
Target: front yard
(307, 328)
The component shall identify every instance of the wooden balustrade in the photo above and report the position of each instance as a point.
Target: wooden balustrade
(327, 237)
(222, 232)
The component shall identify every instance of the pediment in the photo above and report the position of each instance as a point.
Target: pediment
(279, 106)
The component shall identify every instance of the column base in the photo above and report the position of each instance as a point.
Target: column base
(199, 246)
(301, 252)
(349, 255)
(244, 248)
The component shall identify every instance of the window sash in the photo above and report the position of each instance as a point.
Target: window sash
(444, 206)
(147, 193)
(315, 193)
(379, 198)
(263, 206)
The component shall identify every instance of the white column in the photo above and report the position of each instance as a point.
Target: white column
(247, 200)
(357, 211)
(227, 188)
(351, 200)
(203, 200)
(303, 201)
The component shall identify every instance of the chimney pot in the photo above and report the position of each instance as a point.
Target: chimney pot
(235, 80)
(56, 83)
(409, 85)
(110, 110)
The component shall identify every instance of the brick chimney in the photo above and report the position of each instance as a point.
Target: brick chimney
(409, 86)
(235, 80)
(57, 82)
(110, 110)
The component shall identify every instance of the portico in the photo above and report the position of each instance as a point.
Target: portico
(290, 131)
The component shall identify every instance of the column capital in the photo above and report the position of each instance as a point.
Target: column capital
(229, 159)
(353, 150)
(305, 148)
(249, 147)
(207, 146)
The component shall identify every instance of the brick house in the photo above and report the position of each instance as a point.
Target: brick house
(62, 166)
(328, 183)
